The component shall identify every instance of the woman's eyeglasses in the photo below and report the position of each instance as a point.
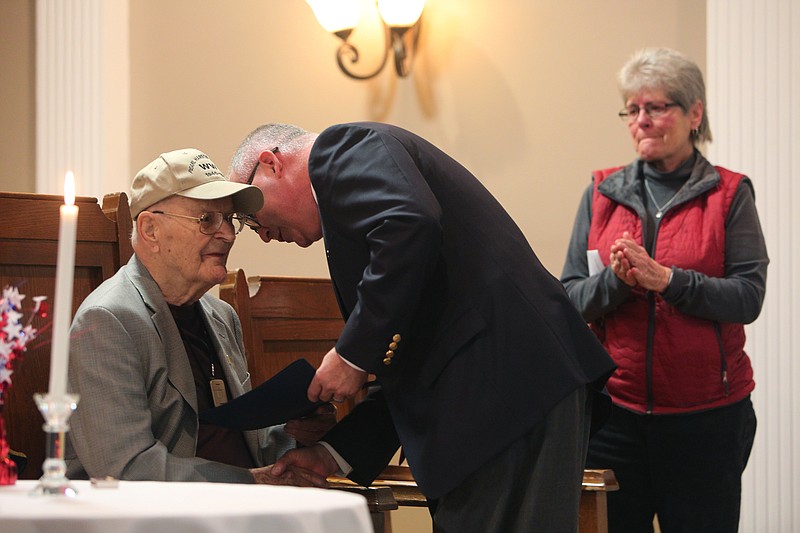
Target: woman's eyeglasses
(651, 109)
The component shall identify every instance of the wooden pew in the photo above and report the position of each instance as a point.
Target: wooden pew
(28, 249)
(286, 318)
(592, 514)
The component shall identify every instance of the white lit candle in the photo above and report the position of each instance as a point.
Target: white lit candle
(65, 271)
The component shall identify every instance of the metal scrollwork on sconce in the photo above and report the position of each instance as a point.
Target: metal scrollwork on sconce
(401, 21)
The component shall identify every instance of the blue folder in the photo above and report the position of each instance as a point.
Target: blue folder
(283, 397)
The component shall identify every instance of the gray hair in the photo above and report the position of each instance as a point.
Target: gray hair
(671, 72)
(286, 137)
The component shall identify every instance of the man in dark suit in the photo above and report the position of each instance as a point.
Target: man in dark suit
(486, 371)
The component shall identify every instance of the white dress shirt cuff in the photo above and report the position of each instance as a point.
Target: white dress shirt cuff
(351, 364)
(344, 466)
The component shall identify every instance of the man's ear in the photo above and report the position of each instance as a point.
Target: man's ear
(270, 159)
(147, 228)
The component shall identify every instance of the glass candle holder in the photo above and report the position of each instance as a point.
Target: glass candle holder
(56, 411)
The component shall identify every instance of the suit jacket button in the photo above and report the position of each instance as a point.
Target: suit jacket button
(387, 361)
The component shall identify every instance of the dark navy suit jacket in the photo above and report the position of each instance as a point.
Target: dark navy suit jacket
(489, 342)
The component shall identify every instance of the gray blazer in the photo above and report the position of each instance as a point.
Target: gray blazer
(137, 414)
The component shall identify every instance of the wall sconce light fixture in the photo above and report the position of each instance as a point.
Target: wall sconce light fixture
(401, 20)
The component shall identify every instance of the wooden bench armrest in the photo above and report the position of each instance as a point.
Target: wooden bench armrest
(599, 480)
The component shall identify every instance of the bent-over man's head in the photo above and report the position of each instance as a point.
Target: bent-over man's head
(186, 217)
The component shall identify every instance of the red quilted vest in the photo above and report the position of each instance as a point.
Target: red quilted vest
(668, 361)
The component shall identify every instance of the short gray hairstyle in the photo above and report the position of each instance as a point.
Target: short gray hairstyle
(286, 137)
(671, 72)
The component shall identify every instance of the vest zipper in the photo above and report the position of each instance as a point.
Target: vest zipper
(648, 361)
(651, 320)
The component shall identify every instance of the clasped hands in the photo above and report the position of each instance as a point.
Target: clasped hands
(301, 467)
(310, 466)
(631, 263)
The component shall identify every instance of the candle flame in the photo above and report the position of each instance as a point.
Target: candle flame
(69, 188)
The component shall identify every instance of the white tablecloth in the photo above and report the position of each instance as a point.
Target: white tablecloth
(145, 506)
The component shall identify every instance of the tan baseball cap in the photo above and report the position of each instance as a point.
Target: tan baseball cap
(190, 173)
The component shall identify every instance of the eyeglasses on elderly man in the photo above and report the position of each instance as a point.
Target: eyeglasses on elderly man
(211, 221)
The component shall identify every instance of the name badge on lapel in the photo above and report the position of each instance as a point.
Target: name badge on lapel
(218, 394)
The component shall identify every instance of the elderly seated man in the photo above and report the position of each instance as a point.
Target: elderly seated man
(150, 349)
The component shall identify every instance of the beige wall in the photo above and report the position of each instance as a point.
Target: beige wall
(521, 91)
(17, 96)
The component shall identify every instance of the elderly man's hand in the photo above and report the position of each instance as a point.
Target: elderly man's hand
(292, 475)
(314, 459)
(310, 429)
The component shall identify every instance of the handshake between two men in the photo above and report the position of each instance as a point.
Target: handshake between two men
(310, 465)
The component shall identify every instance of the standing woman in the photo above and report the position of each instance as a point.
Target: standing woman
(667, 262)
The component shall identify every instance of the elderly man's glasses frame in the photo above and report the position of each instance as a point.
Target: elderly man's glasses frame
(651, 109)
(211, 221)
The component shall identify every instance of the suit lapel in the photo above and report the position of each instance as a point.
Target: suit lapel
(222, 345)
(179, 371)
